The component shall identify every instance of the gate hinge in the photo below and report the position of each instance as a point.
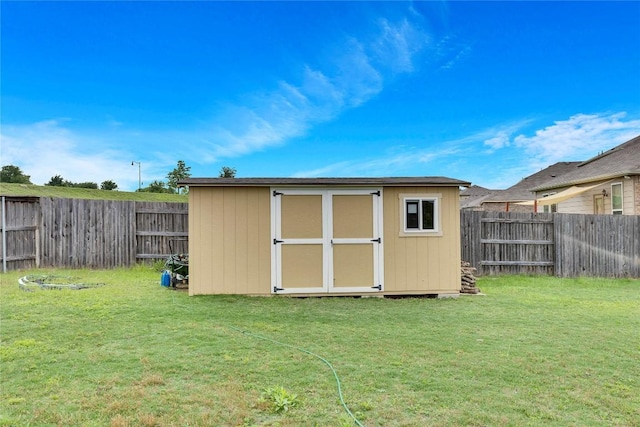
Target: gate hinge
(379, 287)
(379, 240)
(276, 289)
(276, 193)
(377, 193)
(276, 241)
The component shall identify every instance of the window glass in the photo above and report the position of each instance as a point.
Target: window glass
(428, 214)
(616, 199)
(412, 214)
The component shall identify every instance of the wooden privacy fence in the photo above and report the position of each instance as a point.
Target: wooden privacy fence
(47, 232)
(564, 245)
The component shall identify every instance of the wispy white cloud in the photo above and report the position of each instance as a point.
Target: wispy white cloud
(447, 157)
(396, 161)
(500, 136)
(450, 50)
(496, 157)
(356, 73)
(397, 44)
(358, 68)
(499, 141)
(49, 148)
(577, 138)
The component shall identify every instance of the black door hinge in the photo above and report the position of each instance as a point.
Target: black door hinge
(276, 193)
(276, 241)
(379, 287)
(276, 289)
(377, 193)
(379, 240)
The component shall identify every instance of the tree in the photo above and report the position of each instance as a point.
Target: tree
(156, 187)
(88, 184)
(108, 185)
(180, 172)
(13, 174)
(227, 172)
(57, 181)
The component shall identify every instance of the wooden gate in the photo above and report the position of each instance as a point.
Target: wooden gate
(20, 217)
(160, 229)
(509, 242)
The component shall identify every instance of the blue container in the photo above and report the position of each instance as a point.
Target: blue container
(165, 279)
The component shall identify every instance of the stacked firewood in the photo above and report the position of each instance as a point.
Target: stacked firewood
(468, 285)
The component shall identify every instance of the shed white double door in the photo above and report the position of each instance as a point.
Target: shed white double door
(326, 241)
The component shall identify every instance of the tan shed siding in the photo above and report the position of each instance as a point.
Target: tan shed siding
(201, 200)
(422, 264)
(230, 254)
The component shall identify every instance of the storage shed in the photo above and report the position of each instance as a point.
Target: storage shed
(324, 236)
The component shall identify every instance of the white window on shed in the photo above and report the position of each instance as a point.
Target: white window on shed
(421, 214)
(616, 198)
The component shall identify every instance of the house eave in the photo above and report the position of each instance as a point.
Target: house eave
(603, 178)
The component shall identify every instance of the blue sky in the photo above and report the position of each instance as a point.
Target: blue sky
(487, 92)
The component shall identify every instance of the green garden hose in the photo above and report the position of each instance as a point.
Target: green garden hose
(335, 374)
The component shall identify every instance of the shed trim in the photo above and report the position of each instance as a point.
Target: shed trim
(434, 181)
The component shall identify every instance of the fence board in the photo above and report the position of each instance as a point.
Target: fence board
(87, 233)
(567, 245)
(161, 228)
(598, 245)
(470, 236)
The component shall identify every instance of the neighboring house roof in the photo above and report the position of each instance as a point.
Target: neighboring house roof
(474, 196)
(475, 191)
(266, 182)
(619, 161)
(522, 191)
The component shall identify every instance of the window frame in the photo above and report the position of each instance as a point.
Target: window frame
(553, 208)
(620, 210)
(418, 199)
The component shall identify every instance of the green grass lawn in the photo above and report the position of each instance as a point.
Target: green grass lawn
(533, 351)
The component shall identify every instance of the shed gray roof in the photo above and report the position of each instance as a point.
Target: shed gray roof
(522, 191)
(439, 181)
(619, 161)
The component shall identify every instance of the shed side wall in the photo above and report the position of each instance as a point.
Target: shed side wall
(422, 264)
(229, 251)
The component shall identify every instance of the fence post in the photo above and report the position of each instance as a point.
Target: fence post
(4, 236)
